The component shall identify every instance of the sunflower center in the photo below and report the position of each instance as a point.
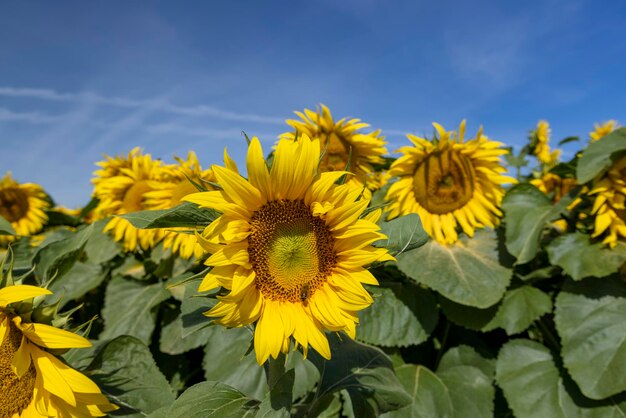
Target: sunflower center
(336, 156)
(13, 204)
(133, 198)
(291, 251)
(444, 181)
(16, 393)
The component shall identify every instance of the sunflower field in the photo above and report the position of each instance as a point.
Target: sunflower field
(328, 276)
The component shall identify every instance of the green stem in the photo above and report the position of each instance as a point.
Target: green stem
(548, 336)
(444, 341)
(274, 369)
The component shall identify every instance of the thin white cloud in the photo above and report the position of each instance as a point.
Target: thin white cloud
(7, 115)
(159, 104)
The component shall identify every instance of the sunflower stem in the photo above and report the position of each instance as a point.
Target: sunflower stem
(274, 369)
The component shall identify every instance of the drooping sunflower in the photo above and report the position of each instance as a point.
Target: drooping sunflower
(290, 246)
(554, 185)
(540, 145)
(168, 194)
(33, 381)
(120, 185)
(449, 182)
(609, 205)
(23, 205)
(343, 144)
(601, 130)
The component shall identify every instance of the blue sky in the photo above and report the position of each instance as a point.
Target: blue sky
(82, 79)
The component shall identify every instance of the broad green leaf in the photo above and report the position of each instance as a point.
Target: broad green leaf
(58, 257)
(208, 400)
(526, 211)
(535, 388)
(579, 258)
(462, 386)
(365, 372)
(125, 371)
(130, 308)
(101, 247)
(78, 280)
(411, 309)
(278, 401)
(193, 307)
(403, 234)
(599, 155)
(5, 227)
(184, 215)
(589, 317)
(468, 316)
(468, 272)
(519, 308)
(225, 360)
(172, 342)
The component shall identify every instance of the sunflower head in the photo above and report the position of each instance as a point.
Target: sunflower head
(169, 193)
(609, 210)
(540, 145)
(603, 129)
(290, 248)
(343, 144)
(121, 185)
(23, 205)
(34, 382)
(449, 182)
(554, 185)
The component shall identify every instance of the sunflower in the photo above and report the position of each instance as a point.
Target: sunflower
(290, 246)
(120, 185)
(554, 185)
(344, 146)
(168, 194)
(23, 205)
(35, 383)
(540, 143)
(604, 129)
(608, 207)
(449, 182)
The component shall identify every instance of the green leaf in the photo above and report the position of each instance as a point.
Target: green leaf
(278, 402)
(520, 307)
(79, 280)
(5, 227)
(462, 387)
(365, 372)
(535, 388)
(125, 371)
(130, 308)
(600, 155)
(184, 215)
(526, 211)
(403, 234)
(467, 272)
(579, 258)
(101, 247)
(589, 318)
(192, 308)
(411, 309)
(210, 399)
(58, 257)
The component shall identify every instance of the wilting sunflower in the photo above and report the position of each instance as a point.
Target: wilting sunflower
(554, 185)
(608, 207)
(540, 144)
(34, 382)
(344, 146)
(168, 194)
(448, 182)
(121, 184)
(290, 246)
(603, 129)
(23, 205)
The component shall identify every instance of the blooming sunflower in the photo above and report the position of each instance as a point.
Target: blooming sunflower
(120, 185)
(168, 194)
(603, 129)
(555, 185)
(608, 207)
(449, 182)
(34, 382)
(541, 147)
(344, 146)
(23, 205)
(290, 246)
